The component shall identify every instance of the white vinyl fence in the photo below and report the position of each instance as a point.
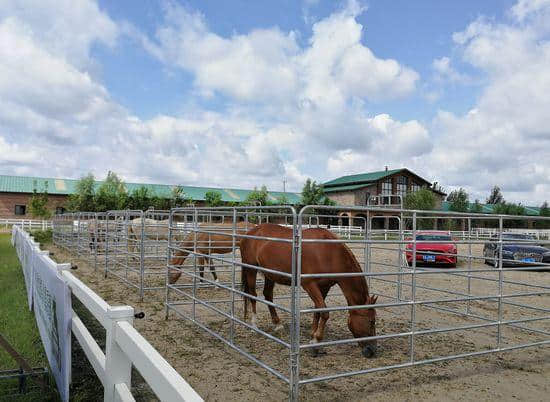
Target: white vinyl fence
(27, 224)
(124, 345)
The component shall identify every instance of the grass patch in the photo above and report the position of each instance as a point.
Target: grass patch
(17, 323)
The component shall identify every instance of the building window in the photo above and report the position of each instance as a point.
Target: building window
(386, 187)
(402, 183)
(416, 187)
(20, 209)
(367, 196)
(59, 210)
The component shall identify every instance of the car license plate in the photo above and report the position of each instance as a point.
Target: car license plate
(528, 260)
(429, 258)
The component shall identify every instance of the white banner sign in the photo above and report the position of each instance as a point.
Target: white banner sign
(52, 308)
(50, 298)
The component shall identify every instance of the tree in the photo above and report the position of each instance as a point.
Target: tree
(544, 209)
(83, 199)
(423, 199)
(258, 197)
(459, 200)
(495, 197)
(476, 207)
(314, 194)
(282, 200)
(141, 198)
(213, 198)
(38, 204)
(111, 195)
(178, 198)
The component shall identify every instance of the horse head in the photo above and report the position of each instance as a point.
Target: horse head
(362, 323)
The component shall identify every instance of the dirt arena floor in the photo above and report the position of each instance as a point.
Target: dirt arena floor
(219, 373)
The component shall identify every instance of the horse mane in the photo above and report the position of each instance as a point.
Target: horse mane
(353, 264)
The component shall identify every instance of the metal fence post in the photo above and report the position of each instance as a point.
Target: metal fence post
(295, 306)
(233, 277)
(499, 332)
(413, 290)
(141, 256)
(117, 364)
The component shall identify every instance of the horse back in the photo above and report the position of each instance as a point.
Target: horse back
(317, 257)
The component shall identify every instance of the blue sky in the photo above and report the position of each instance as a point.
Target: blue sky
(245, 93)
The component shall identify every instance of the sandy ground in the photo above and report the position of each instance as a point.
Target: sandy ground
(219, 373)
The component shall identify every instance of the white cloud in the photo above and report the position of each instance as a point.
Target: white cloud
(268, 64)
(392, 143)
(444, 71)
(525, 8)
(291, 110)
(63, 28)
(505, 138)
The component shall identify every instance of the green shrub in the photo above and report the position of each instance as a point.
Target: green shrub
(42, 236)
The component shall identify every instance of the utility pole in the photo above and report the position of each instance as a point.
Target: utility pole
(284, 185)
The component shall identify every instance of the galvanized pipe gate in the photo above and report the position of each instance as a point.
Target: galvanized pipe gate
(492, 309)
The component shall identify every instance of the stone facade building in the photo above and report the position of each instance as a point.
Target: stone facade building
(382, 188)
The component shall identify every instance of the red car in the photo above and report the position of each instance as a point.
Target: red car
(442, 252)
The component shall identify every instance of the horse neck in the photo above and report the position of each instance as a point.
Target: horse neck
(355, 288)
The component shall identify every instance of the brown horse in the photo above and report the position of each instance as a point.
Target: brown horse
(207, 243)
(317, 258)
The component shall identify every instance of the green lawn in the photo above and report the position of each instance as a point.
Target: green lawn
(17, 323)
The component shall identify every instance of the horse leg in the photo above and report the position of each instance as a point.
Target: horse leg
(251, 285)
(317, 296)
(317, 316)
(200, 262)
(268, 294)
(212, 269)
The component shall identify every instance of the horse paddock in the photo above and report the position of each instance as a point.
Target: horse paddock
(424, 315)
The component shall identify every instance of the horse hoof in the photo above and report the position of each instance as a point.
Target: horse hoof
(279, 328)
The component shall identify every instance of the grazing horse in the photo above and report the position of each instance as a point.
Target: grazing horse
(317, 258)
(208, 244)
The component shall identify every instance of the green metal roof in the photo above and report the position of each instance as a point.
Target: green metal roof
(361, 178)
(23, 184)
(344, 188)
(488, 208)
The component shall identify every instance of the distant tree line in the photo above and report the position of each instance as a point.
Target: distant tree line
(112, 194)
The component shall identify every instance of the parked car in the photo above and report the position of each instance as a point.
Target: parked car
(442, 252)
(519, 249)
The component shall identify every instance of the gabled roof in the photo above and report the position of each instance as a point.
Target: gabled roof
(24, 184)
(361, 178)
(366, 178)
